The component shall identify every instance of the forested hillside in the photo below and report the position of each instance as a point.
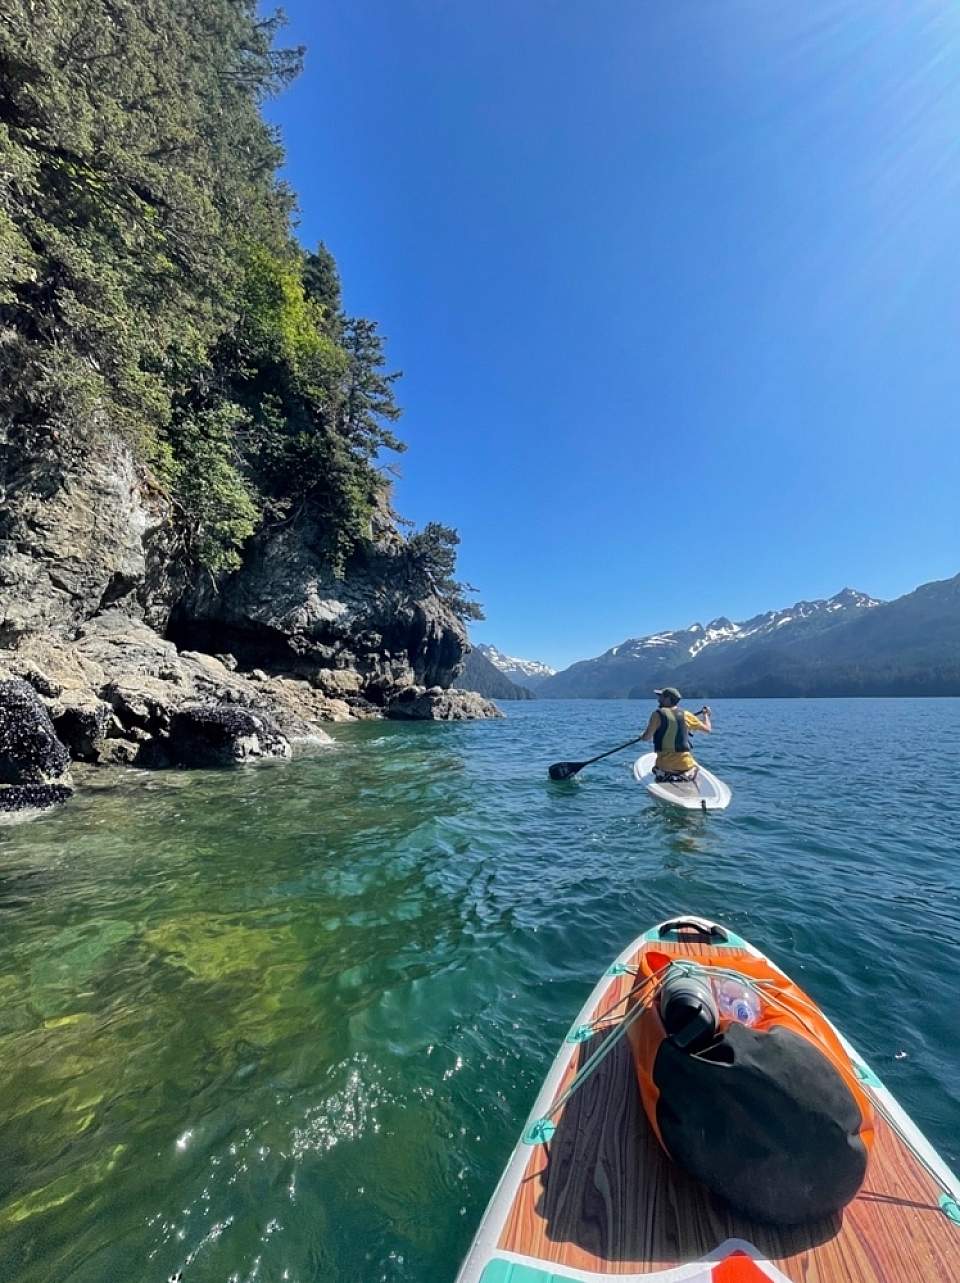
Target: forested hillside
(150, 281)
(483, 677)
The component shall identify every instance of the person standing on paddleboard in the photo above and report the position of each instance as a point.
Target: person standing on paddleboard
(669, 730)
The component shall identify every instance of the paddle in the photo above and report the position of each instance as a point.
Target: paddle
(563, 770)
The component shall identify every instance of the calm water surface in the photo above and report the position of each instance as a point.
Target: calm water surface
(286, 1023)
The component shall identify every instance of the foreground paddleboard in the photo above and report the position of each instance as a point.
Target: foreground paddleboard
(705, 793)
(589, 1194)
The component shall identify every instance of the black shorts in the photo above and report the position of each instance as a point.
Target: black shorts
(675, 777)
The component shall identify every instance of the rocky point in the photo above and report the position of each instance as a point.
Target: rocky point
(114, 651)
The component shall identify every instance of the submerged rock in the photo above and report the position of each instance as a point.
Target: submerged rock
(32, 797)
(437, 705)
(30, 752)
(222, 736)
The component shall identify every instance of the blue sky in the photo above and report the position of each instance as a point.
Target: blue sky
(674, 284)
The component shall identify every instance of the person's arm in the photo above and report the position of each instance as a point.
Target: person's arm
(649, 733)
(702, 719)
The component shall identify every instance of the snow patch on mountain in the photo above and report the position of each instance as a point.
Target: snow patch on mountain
(516, 669)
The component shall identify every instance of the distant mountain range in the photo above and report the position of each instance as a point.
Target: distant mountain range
(530, 673)
(850, 644)
(480, 675)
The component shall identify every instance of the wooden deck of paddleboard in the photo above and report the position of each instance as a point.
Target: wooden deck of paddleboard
(602, 1195)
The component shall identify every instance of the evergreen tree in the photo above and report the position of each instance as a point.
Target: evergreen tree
(433, 554)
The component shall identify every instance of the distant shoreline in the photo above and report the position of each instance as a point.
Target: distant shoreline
(627, 699)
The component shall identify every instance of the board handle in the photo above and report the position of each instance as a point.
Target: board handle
(709, 930)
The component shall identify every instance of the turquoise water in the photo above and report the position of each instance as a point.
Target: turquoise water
(286, 1023)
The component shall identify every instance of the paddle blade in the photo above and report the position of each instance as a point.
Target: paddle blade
(563, 770)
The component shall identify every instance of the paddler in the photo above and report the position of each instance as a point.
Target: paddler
(669, 730)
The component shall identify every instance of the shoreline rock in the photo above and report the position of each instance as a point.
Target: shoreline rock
(34, 764)
(16, 798)
(416, 703)
(223, 735)
(30, 752)
(128, 650)
(118, 694)
(118, 680)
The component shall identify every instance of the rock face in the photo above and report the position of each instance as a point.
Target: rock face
(76, 536)
(369, 634)
(113, 650)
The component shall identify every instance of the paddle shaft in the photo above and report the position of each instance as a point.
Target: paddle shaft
(563, 770)
(618, 749)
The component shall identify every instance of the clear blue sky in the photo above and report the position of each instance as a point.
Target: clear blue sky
(675, 285)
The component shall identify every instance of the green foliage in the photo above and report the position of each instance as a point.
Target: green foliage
(282, 328)
(433, 556)
(151, 283)
(132, 154)
(220, 509)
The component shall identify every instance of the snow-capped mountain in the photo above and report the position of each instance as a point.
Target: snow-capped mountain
(702, 651)
(687, 643)
(479, 675)
(525, 672)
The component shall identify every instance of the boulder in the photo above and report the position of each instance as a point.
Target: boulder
(337, 682)
(118, 752)
(222, 736)
(83, 726)
(30, 752)
(32, 797)
(436, 705)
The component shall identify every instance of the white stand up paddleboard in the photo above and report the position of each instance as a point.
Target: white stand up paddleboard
(705, 793)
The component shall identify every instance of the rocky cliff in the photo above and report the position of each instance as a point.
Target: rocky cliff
(123, 648)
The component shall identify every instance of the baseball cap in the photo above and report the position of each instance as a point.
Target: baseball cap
(671, 691)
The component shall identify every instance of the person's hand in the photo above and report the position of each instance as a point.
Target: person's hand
(706, 709)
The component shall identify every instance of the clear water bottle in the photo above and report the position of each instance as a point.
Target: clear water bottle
(737, 1001)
